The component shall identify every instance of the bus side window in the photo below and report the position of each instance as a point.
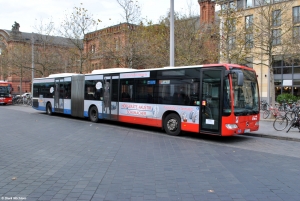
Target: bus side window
(125, 96)
(90, 89)
(68, 90)
(150, 94)
(99, 94)
(89, 95)
(126, 93)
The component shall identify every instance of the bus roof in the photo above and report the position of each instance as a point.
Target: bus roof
(62, 75)
(125, 70)
(5, 82)
(113, 70)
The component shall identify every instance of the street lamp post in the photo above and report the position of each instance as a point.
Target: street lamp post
(32, 61)
(172, 49)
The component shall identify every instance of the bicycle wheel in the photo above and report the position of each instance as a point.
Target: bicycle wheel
(293, 114)
(280, 123)
(266, 114)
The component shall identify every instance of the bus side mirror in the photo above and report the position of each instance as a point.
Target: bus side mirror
(239, 74)
(240, 78)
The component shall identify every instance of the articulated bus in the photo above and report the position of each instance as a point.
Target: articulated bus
(5, 92)
(215, 99)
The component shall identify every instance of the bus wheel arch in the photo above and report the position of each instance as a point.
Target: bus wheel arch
(93, 113)
(172, 123)
(49, 108)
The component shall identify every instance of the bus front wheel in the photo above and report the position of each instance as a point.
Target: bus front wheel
(93, 114)
(172, 124)
(49, 109)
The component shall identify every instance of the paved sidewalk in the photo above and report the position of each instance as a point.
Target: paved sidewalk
(266, 130)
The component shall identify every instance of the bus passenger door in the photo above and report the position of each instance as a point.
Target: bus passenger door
(210, 101)
(111, 97)
(59, 95)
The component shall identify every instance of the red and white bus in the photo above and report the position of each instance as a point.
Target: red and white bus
(5, 92)
(215, 99)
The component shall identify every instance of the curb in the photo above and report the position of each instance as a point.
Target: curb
(272, 137)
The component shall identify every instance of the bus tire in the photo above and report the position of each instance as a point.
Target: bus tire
(93, 114)
(172, 124)
(49, 109)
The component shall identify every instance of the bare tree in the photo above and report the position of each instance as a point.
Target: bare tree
(152, 43)
(260, 33)
(194, 44)
(4, 63)
(232, 33)
(50, 52)
(146, 45)
(74, 27)
(131, 16)
(20, 61)
(271, 26)
(132, 11)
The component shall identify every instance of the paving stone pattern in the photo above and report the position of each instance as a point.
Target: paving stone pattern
(57, 158)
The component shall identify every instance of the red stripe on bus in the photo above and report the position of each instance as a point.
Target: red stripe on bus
(157, 123)
(140, 120)
(189, 127)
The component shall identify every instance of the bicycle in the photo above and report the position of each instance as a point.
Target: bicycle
(275, 111)
(295, 123)
(293, 110)
(29, 101)
(281, 122)
(264, 105)
(284, 106)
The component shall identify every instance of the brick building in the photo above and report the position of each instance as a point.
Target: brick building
(105, 46)
(16, 48)
(269, 32)
(104, 49)
(208, 12)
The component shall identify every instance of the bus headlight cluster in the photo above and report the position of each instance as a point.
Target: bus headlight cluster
(231, 126)
(257, 123)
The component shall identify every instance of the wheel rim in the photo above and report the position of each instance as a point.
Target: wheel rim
(172, 125)
(93, 114)
(280, 124)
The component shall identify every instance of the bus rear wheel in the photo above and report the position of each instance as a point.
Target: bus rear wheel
(93, 114)
(172, 124)
(49, 109)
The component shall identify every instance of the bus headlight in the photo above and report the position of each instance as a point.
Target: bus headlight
(231, 126)
(257, 123)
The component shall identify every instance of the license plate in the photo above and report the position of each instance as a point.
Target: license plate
(247, 131)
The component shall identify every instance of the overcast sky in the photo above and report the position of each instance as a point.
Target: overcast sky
(30, 13)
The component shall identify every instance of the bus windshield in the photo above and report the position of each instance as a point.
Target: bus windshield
(4, 91)
(246, 96)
